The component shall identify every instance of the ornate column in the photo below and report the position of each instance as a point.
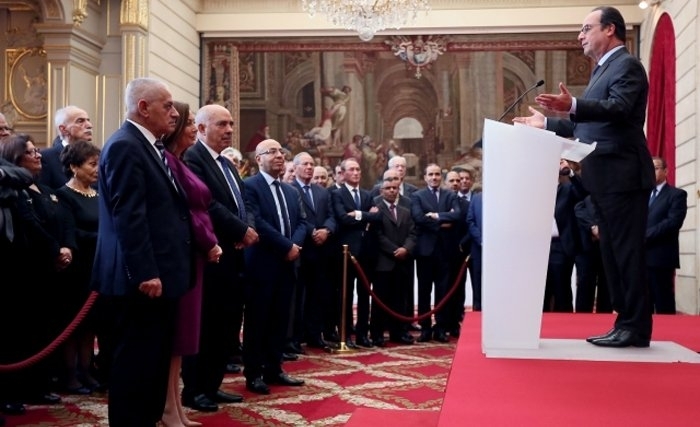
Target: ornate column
(372, 125)
(133, 20)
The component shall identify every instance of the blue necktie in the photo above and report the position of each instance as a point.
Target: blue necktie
(283, 207)
(653, 196)
(236, 192)
(307, 191)
(161, 149)
(356, 197)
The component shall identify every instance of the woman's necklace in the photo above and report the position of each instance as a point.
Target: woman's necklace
(89, 193)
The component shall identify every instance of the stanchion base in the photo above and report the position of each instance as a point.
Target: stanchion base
(339, 348)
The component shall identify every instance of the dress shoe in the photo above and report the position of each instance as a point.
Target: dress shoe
(257, 385)
(414, 326)
(316, 343)
(364, 341)
(455, 332)
(294, 347)
(44, 399)
(622, 338)
(12, 408)
(201, 403)
(440, 336)
(332, 336)
(379, 342)
(597, 337)
(425, 336)
(403, 339)
(350, 344)
(223, 397)
(80, 390)
(232, 368)
(283, 379)
(290, 357)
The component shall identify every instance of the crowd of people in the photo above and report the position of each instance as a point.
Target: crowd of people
(180, 249)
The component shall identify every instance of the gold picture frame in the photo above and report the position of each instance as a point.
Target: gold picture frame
(27, 81)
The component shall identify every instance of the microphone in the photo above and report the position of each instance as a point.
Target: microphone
(520, 98)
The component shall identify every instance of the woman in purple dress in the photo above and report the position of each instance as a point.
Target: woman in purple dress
(186, 340)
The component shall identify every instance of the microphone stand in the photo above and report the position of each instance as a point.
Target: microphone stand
(520, 98)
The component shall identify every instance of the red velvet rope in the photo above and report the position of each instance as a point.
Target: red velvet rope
(57, 341)
(436, 308)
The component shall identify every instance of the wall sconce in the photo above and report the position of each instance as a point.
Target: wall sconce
(645, 4)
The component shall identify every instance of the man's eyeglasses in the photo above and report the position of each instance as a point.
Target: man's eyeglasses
(32, 152)
(587, 28)
(274, 151)
(6, 129)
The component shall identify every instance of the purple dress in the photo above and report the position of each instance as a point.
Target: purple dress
(190, 306)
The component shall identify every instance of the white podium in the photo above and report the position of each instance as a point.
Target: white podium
(520, 177)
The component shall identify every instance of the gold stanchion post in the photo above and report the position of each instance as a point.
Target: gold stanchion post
(342, 347)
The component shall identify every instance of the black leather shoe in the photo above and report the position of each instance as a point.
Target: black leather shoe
(44, 399)
(622, 338)
(425, 336)
(283, 379)
(223, 397)
(232, 368)
(290, 357)
(406, 339)
(364, 341)
(80, 390)
(455, 332)
(316, 343)
(201, 403)
(597, 337)
(350, 344)
(294, 347)
(440, 336)
(12, 408)
(257, 385)
(379, 342)
(332, 336)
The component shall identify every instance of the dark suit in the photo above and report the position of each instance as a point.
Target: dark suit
(563, 248)
(461, 235)
(618, 175)
(52, 174)
(352, 232)
(272, 277)
(393, 277)
(436, 248)
(313, 287)
(144, 233)
(223, 282)
(666, 215)
(591, 285)
(475, 221)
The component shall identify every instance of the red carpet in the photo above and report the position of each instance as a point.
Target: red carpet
(509, 392)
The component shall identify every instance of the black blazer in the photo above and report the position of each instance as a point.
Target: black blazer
(52, 174)
(350, 231)
(144, 228)
(228, 226)
(392, 234)
(666, 215)
(432, 237)
(568, 194)
(611, 112)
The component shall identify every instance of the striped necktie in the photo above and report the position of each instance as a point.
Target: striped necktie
(161, 149)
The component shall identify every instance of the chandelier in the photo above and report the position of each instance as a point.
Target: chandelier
(367, 16)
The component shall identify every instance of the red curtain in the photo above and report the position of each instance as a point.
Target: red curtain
(661, 110)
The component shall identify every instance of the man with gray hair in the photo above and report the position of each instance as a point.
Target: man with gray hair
(398, 163)
(73, 124)
(5, 129)
(143, 261)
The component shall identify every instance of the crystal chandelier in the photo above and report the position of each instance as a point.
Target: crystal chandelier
(367, 16)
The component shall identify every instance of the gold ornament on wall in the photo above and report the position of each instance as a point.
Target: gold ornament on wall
(27, 81)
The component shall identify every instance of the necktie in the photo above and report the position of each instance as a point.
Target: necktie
(161, 149)
(283, 209)
(234, 187)
(437, 195)
(356, 197)
(307, 191)
(392, 209)
(653, 196)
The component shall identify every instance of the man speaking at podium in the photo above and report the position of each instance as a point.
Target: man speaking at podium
(619, 173)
